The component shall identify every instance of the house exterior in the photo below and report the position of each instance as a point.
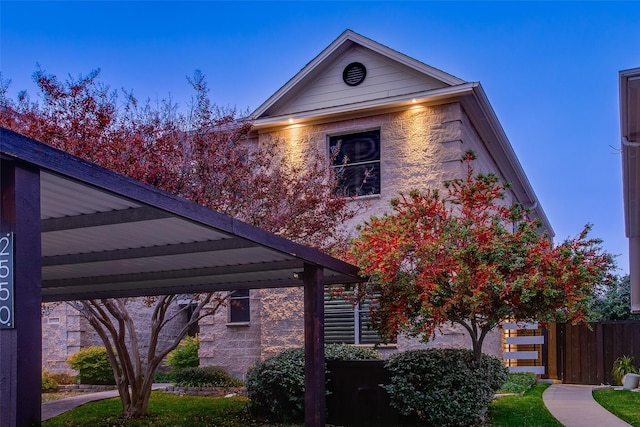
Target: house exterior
(402, 125)
(396, 124)
(630, 146)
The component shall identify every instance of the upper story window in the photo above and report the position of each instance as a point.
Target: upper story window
(356, 160)
(239, 309)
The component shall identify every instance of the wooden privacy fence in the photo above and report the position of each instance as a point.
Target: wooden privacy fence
(586, 355)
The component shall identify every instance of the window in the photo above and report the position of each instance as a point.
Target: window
(239, 307)
(356, 160)
(346, 324)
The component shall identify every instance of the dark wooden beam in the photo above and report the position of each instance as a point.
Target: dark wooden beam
(99, 219)
(166, 250)
(152, 289)
(314, 386)
(176, 275)
(21, 361)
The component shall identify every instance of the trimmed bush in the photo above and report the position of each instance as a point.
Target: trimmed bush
(48, 382)
(164, 377)
(444, 387)
(276, 386)
(205, 376)
(93, 365)
(185, 355)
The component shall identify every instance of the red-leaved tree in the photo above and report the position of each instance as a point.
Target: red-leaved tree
(470, 258)
(203, 155)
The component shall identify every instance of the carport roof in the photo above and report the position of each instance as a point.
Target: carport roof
(106, 235)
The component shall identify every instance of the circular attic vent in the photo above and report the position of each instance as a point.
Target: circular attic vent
(354, 74)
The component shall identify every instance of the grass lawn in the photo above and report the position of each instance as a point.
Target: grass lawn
(522, 411)
(194, 411)
(165, 410)
(622, 403)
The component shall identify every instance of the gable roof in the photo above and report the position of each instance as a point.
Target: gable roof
(394, 81)
(412, 79)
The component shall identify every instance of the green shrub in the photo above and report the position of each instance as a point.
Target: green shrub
(185, 355)
(349, 352)
(164, 377)
(93, 365)
(519, 382)
(48, 382)
(622, 366)
(276, 386)
(63, 378)
(205, 376)
(444, 387)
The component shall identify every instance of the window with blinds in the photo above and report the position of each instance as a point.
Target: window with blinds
(346, 324)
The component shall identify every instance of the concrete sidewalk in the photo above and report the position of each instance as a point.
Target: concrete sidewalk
(574, 406)
(57, 407)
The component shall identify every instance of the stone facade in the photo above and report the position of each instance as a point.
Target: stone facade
(420, 148)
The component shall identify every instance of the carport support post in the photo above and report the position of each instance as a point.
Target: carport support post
(314, 394)
(21, 346)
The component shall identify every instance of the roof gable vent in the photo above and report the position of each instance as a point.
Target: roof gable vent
(354, 74)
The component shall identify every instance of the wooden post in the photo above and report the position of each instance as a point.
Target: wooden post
(314, 395)
(21, 342)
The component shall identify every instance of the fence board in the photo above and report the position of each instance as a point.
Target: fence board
(586, 355)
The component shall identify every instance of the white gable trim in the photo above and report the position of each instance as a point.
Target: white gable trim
(344, 41)
(390, 103)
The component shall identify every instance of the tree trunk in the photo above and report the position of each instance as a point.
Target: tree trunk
(137, 408)
(111, 320)
(477, 337)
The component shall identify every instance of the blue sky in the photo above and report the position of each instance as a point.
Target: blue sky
(550, 69)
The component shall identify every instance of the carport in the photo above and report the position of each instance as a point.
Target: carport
(72, 230)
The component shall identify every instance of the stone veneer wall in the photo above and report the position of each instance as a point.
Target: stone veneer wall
(62, 334)
(65, 331)
(233, 347)
(421, 147)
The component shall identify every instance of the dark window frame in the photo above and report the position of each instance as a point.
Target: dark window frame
(356, 161)
(239, 311)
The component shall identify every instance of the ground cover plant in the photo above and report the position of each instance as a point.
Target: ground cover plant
(522, 411)
(622, 403)
(518, 383)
